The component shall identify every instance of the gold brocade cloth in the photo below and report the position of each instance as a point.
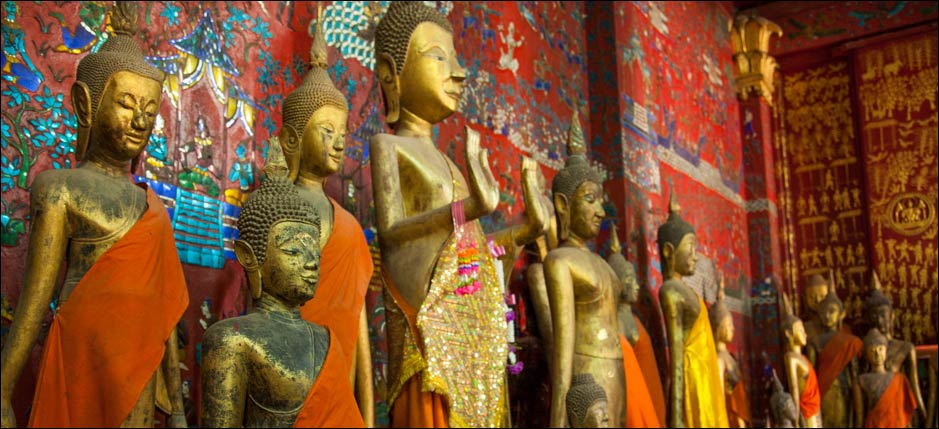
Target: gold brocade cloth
(461, 346)
(704, 395)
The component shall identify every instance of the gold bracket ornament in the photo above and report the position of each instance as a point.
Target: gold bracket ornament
(753, 67)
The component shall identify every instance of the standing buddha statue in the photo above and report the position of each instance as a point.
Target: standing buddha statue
(803, 384)
(834, 353)
(696, 398)
(124, 285)
(735, 392)
(582, 289)
(270, 367)
(645, 402)
(439, 277)
(888, 398)
(313, 140)
(901, 355)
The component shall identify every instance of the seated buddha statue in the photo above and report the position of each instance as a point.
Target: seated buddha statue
(270, 367)
(438, 274)
(803, 383)
(124, 285)
(582, 289)
(313, 137)
(696, 397)
(888, 398)
(735, 393)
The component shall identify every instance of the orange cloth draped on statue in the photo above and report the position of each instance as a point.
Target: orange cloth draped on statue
(895, 407)
(331, 402)
(415, 408)
(811, 399)
(108, 338)
(738, 405)
(836, 355)
(345, 270)
(640, 413)
(645, 354)
(704, 395)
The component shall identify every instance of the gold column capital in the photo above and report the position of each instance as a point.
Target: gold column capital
(753, 66)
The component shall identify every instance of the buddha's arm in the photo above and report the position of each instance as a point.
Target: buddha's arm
(561, 298)
(856, 398)
(913, 375)
(364, 386)
(792, 372)
(676, 346)
(48, 239)
(536, 214)
(539, 298)
(224, 379)
(173, 383)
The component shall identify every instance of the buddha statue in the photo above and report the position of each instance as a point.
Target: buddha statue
(888, 399)
(696, 398)
(816, 289)
(785, 412)
(582, 289)
(834, 352)
(116, 239)
(901, 355)
(313, 140)
(803, 383)
(270, 367)
(586, 403)
(735, 393)
(439, 277)
(645, 402)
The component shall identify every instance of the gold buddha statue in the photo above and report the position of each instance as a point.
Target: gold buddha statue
(313, 138)
(124, 284)
(586, 403)
(438, 274)
(695, 398)
(803, 384)
(901, 355)
(888, 398)
(735, 393)
(582, 289)
(833, 352)
(816, 289)
(272, 368)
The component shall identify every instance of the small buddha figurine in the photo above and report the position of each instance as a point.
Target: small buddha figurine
(735, 393)
(439, 276)
(586, 403)
(816, 289)
(645, 402)
(583, 290)
(124, 285)
(888, 398)
(834, 352)
(272, 368)
(901, 355)
(696, 398)
(785, 412)
(803, 383)
(313, 140)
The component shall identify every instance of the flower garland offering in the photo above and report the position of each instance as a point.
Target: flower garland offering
(467, 252)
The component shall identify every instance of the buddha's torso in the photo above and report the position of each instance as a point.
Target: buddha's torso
(820, 340)
(627, 323)
(898, 353)
(873, 385)
(802, 368)
(690, 306)
(731, 370)
(323, 208)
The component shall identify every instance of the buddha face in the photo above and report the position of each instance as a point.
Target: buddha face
(685, 256)
(125, 116)
(290, 271)
(431, 81)
(587, 210)
(830, 314)
(725, 331)
(814, 295)
(876, 354)
(324, 140)
(597, 416)
(630, 288)
(796, 334)
(882, 319)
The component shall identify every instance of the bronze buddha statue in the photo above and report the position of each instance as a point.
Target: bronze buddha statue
(117, 243)
(887, 397)
(586, 403)
(785, 412)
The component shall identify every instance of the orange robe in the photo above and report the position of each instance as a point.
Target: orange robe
(345, 270)
(107, 340)
(836, 355)
(895, 407)
(811, 400)
(331, 402)
(640, 413)
(645, 354)
(738, 405)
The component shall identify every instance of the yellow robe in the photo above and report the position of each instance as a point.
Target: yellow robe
(704, 397)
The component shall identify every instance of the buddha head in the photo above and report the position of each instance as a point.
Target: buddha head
(784, 408)
(587, 405)
(875, 348)
(417, 64)
(625, 271)
(577, 189)
(722, 321)
(116, 94)
(279, 237)
(816, 289)
(792, 326)
(315, 115)
(831, 310)
(677, 243)
(879, 309)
